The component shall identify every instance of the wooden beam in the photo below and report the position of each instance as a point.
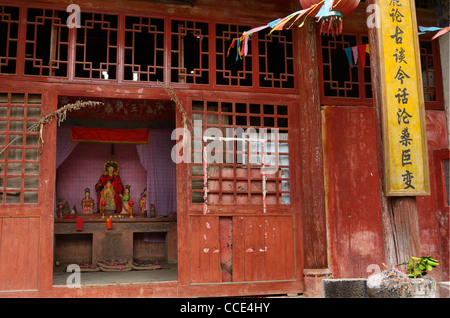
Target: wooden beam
(399, 214)
(311, 151)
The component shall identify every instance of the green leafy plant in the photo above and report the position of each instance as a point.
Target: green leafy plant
(419, 266)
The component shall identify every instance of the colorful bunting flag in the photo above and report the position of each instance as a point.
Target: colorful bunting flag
(429, 29)
(326, 7)
(348, 51)
(362, 53)
(441, 32)
(278, 24)
(282, 22)
(355, 54)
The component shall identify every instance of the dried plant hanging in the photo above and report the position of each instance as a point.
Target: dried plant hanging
(173, 97)
(60, 114)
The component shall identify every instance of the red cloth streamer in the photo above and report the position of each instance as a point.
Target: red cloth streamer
(440, 33)
(128, 136)
(362, 54)
(79, 224)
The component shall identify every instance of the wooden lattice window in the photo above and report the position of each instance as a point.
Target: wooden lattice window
(9, 32)
(339, 78)
(190, 52)
(276, 59)
(235, 175)
(47, 43)
(97, 46)
(424, 4)
(144, 49)
(152, 49)
(230, 70)
(430, 74)
(19, 164)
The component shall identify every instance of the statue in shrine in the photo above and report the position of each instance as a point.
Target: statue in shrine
(87, 204)
(143, 201)
(109, 187)
(107, 194)
(66, 208)
(59, 208)
(125, 200)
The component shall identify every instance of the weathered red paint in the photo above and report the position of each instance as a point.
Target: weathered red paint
(355, 233)
(351, 175)
(433, 214)
(53, 87)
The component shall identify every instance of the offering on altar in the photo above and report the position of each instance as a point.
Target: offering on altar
(109, 223)
(125, 199)
(102, 209)
(59, 208)
(109, 187)
(152, 211)
(131, 203)
(87, 204)
(66, 209)
(143, 201)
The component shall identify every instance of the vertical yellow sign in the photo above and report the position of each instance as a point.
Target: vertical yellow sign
(404, 128)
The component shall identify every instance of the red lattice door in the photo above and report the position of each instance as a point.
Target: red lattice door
(242, 228)
(24, 189)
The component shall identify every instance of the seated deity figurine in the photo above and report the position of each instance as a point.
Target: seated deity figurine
(87, 204)
(107, 194)
(109, 187)
(66, 209)
(59, 208)
(143, 201)
(125, 200)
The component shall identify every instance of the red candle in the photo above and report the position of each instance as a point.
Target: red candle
(109, 223)
(131, 208)
(102, 210)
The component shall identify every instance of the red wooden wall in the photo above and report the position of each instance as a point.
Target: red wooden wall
(433, 210)
(353, 229)
(352, 190)
(352, 181)
(267, 252)
(26, 230)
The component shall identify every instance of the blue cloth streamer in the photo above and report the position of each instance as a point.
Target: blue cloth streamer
(325, 8)
(273, 23)
(430, 29)
(348, 51)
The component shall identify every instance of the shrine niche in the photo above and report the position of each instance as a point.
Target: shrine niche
(114, 168)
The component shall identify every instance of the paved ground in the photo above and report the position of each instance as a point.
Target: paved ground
(168, 272)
